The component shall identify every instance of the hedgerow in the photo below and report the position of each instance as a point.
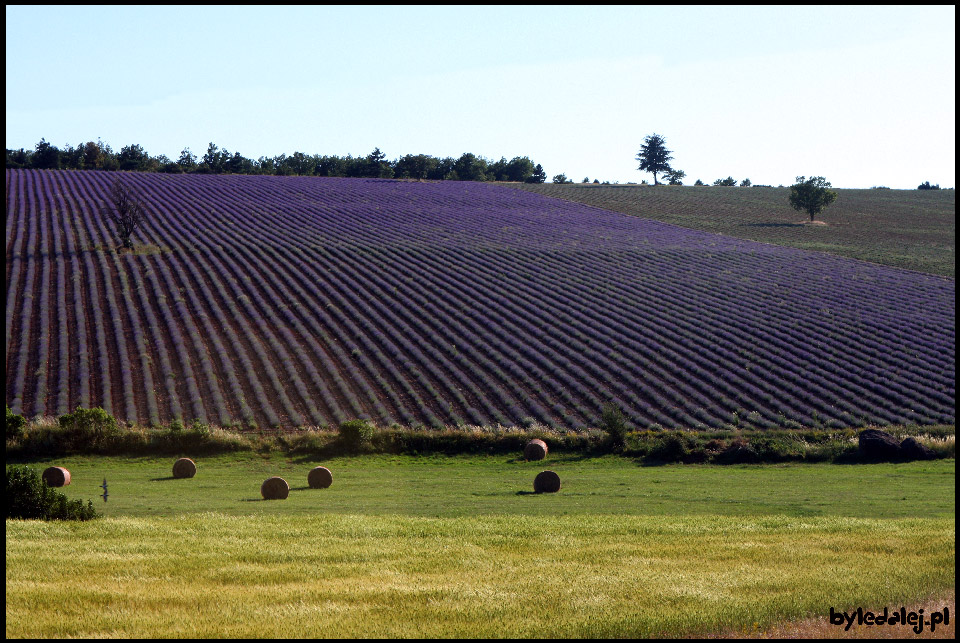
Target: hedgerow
(43, 439)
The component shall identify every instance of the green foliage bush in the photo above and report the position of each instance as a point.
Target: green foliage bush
(28, 497)
(671, 447)
(356, 433)
(15, 425)
(777, 449)
(92, 428)
(614, 423)
(740, 452)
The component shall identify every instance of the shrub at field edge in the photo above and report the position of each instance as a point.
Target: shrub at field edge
(28, 497)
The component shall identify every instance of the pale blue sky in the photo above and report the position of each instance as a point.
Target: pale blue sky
(861, 95)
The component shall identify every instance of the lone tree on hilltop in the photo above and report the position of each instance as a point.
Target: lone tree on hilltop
(811, 195)
(654, 156)
(125, 209)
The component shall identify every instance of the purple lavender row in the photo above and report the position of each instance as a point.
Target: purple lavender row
(785, 320)
(62, 404)
(362, 357)
(78, 332)
(42, 373)
(173, 237)
(568, 349)
(358, 227)
(866, 342)
(285, 274)
(163, 237)
(179, 227)
(99, 351)
(346, 260)
(561, 362)
(139, 339)
(25, 297)
(222, 409)
(103, 237)
(719, 322)
(234, 257)
(368, 316)
(61, 243)
(282, 262)
(179, 343)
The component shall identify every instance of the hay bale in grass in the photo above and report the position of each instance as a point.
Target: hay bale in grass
(546, 482)
(274, 488)
(184, 468)
(56, 477)
(535, 450)
(319, 478)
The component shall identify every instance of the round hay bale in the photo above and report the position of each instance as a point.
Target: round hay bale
(535, 450)
(319, 478)
(184, 468)
(56, 476)
(274, 488)
(546, 482)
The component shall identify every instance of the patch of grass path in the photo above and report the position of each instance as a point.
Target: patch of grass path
(456, 546)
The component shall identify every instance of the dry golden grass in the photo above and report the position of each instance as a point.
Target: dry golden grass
(584, 576)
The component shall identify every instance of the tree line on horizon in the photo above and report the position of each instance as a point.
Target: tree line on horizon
(653, 157)
(134, 158)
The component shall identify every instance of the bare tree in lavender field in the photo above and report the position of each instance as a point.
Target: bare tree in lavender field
(125, 209)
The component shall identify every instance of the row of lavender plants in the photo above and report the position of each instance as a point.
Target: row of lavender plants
(286, 301)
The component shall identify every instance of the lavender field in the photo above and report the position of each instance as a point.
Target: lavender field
(290, 301)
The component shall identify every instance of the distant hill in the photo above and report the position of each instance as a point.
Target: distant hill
(287, 301)
(913, 229)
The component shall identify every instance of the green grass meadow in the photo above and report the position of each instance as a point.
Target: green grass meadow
(914, 229)
(456, 546)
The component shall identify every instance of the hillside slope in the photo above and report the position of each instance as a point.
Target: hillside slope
(285, 301)
(914, 229)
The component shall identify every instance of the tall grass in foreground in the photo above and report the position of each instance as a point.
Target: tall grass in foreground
(212, 575)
